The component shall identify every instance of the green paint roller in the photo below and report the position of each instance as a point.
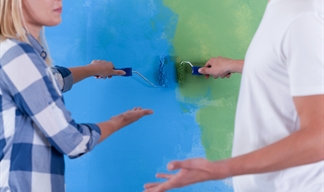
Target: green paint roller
(181, 75)
(181, 71)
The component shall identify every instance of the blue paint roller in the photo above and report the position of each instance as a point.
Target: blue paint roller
(162, 73)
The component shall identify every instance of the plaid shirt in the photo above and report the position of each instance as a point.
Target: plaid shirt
(36, 130)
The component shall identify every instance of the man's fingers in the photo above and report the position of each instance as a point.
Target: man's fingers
(203, 70)
(164, 176)
(150, 185)
(197, 163)
(174, 165)
(157, 187)
(227, 75)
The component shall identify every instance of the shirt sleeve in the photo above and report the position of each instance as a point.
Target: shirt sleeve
(63, 77)
(303, 49)
(37, 95)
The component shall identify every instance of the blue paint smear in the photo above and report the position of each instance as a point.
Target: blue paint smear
(130, 34)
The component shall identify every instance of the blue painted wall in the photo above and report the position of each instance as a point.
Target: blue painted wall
(130, 34)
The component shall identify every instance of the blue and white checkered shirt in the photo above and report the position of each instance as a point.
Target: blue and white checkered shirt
(36, 130)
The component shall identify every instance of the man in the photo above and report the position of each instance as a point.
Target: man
(279, 129)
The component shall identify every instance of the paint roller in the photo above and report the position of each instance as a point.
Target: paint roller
(162, 74)
(181, 71)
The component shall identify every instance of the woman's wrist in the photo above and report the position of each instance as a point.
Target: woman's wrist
(91, 70)
(107, 128)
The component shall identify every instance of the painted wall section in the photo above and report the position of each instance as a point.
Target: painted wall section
(208, 29)
(192, 120)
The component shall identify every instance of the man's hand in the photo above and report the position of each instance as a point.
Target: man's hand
(191, 171)
(221, 67)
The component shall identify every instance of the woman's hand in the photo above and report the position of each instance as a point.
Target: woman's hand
(104, 69)
(117, 122)
(130, 116)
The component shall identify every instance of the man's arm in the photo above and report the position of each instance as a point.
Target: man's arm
(305, 146)
(302, 147)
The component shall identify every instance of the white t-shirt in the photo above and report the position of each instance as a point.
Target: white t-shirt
(284, 59)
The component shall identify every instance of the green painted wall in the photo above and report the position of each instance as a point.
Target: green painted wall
(208, 29)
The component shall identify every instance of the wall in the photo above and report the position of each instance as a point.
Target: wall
(194, 119)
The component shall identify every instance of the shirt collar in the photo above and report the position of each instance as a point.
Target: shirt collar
(35, 44)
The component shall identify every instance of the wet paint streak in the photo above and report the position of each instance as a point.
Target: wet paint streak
(207, 29)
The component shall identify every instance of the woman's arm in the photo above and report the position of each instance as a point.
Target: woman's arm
(117, 122)
(66, 77)
(98, 68)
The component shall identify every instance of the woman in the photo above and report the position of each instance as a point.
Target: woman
(36, 130)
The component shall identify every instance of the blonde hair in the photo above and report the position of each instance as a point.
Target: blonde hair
(13, 24)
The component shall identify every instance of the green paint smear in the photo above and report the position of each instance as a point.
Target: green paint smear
(208, 29)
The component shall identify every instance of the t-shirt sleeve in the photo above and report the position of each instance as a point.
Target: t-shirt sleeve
(303, 49)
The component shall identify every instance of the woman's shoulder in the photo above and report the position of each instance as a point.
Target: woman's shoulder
(13, 48)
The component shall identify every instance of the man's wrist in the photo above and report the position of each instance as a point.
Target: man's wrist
(236, 66)
(222, 169)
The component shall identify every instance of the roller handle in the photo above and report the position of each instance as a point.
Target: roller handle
(128, 71)
(195, 70)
